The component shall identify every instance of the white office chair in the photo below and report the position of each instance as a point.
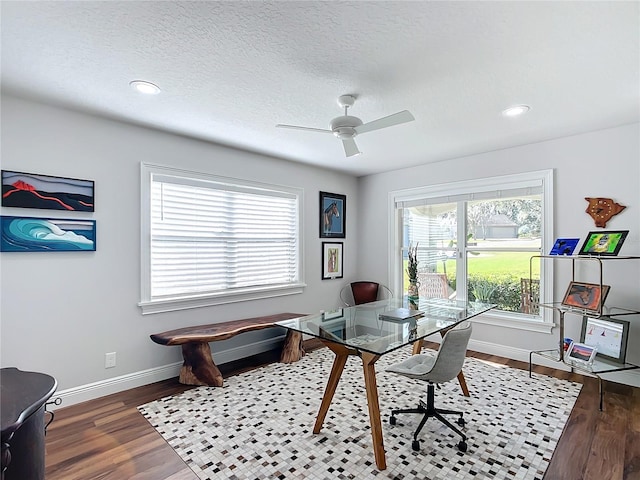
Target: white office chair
(434, 369)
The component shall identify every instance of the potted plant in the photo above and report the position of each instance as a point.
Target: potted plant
(412, 271)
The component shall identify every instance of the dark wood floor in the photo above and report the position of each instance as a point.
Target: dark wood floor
(107, 438)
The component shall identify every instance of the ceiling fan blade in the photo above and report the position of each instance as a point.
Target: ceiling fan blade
(350, 147)
(296, 127)
(395, 119)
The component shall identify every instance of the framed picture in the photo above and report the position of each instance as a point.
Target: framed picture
(564, 246)
(333, 331)
(333, 210)
(30, 190)
(30, 234)
(331, 260)
(608, 335)
(332, 314)
(580, 352)
(587, 296)
(603, 243)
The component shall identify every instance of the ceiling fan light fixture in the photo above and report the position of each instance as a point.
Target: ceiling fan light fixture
(516, 110)
(144, 87)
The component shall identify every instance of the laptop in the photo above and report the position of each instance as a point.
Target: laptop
(399, 314)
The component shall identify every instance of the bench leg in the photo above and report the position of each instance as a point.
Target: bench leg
(198, 367)
(292, 350)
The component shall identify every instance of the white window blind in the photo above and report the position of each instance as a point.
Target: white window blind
(217, 237)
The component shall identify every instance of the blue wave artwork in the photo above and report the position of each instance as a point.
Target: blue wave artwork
(30, 234)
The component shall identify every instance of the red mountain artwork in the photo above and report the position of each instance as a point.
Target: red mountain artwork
(28, 190)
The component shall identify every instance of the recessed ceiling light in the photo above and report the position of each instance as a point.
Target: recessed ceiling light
(516, 110)
(147, 88)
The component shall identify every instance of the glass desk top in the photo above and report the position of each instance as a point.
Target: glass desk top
(364, 327)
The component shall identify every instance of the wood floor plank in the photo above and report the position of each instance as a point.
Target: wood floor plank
(606, 458)
(632, 446)
(108, 439)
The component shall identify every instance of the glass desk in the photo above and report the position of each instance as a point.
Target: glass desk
(361, 331)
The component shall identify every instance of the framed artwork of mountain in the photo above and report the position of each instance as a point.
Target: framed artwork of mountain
(31, 190)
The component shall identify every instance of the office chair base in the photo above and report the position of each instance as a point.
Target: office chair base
(462, 446)
(428, 410)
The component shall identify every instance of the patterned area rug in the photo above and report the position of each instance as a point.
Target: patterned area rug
(259, 425)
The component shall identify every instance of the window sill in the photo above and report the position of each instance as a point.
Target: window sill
(183, 303)
(515, 322)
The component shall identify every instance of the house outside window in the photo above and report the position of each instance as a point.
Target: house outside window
(208, 240)
(475, 241)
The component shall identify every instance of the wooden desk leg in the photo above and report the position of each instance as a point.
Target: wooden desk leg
(463, 384)
(417, 348)
(368, 361)
(342, 353)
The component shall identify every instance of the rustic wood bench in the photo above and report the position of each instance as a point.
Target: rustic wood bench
(198, 367)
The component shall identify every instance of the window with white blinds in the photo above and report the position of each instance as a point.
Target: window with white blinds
(213, 240)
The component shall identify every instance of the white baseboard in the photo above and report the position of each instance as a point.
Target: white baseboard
(91, 391)
(627, 377)
(513, 353)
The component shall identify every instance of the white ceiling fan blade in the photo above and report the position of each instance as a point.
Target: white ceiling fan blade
(395, 119)
(296, 127)
(350, 147)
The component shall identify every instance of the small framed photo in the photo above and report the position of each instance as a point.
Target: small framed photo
(334, 331)
(581, 353)
(333, 211)
(587, 296)
(609, 335)
(564, 246)
(332, 314)
(603, 243)
(332, 260)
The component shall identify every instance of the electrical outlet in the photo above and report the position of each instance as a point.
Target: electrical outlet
(110, 360)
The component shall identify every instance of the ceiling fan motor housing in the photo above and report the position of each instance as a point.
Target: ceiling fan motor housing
(344, 127)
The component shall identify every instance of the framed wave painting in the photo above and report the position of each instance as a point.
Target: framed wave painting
(30, 190)
(30, 234)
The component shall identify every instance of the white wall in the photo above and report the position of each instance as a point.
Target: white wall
(61, 312)
(604, 163)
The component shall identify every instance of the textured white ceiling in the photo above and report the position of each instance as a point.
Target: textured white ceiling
(230, 71)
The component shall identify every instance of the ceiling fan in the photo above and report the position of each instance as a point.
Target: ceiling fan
(347, 127)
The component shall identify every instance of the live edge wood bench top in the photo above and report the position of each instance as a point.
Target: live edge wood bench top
(198, 367)
(219, 331)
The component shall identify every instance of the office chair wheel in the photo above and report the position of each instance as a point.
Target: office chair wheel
(415, 445)
(392, 420)
(461, 422)
(462, 446)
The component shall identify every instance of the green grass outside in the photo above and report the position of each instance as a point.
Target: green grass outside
(489, 264)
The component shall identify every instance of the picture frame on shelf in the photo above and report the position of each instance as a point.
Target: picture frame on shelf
(580, 353)
(332, 314)
(609, 335)
(603, 243)
(333, 211)
(334, 330)
(564, 246)
(586, 296)
(332, 260)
